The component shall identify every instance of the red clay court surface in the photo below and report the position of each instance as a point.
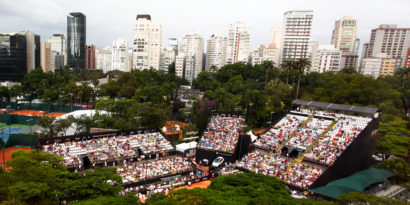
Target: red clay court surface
(8, 152)
(202, 184)
(36, 113)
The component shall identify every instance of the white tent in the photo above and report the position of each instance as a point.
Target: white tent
(253, 137)
(185, 146)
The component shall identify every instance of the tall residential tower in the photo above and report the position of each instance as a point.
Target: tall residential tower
(76, 40)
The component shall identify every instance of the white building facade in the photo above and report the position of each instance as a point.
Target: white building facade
(120, 55)
(215, 51)
(103, 59)
(326, 58)
(59, 50)
(237, 43)
(192, 47)
(371, 66)
(168, 56)
(147, 43)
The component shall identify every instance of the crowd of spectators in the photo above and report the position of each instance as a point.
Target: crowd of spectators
(109, 148)
(280, 132)
(329, 148)
(222, 133)
(144, 170)
(312, 130)
(301, 175)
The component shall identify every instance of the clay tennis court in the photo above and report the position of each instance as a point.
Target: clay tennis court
(36, 113)
(8, 152)
(202, 184)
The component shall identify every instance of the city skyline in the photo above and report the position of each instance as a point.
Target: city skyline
(206, 18)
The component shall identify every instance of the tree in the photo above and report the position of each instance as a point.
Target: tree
(348, 70)
(403, 73)
(287, 66)
(301, 65)
(268, 65)
(171, 68)
(367, 199)
(398, 166)
(248, 188)
(393, 138)
(36, 177)
(47, 123)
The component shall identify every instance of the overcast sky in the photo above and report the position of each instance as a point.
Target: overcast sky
(109, 20)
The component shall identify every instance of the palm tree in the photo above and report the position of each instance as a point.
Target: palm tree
(301, 65)
(268, 65)
(288, 66)
(403, 73)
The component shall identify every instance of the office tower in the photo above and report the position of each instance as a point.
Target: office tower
(344, 34)
(215, 52)
(349, 59)
(356, 46)
(13, 56)
(389, 40)
(120, 55)
(58, 50)
(326, 58)
(296, 33)
(90, 57)
(192, 47)
(76, 40)
(371, 66)
(147, 43)
(37, 43)
(103, 59)
(167, 57)
(46, 57)
(238, 43)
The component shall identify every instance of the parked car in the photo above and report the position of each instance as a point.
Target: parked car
(217, 162)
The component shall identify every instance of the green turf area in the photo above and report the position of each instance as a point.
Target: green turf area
(14, 125)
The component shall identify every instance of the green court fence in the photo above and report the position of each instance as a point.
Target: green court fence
(22, 140)
(18, 119)
(40, 107)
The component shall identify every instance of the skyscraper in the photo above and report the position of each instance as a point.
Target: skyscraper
(192, 48)
(238, 43)
(58, 50)
(147, 43)
(76, 40)
(344, 34)
(215, 51)
(120, 55)
(296, 33)
(90, 57)
(13, 56)
(389, 40)
(167, 57)
(46, 57)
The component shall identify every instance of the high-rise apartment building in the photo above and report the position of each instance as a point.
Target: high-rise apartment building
(192, 47)
(326, 58)
(120, 55)
(407, 59)
(167, 57)
(389, 66)
(296, 33)
(147, 43)
(46, 57)
(349, 59)
(90, 57)
(237, 43)
(76, 40)
(173, 42)
(344, 34)
(356, 46)
(389, 40)
(215, 51)
(58, 50)
(371, 66)
(103, 59)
